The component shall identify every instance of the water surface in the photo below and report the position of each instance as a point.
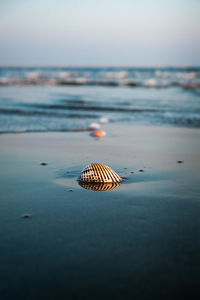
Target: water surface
(64, 99)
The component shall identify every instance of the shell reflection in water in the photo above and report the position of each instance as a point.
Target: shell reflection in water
(100, 187)
(98, 173)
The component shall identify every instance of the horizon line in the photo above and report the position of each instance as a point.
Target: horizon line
(100, 66)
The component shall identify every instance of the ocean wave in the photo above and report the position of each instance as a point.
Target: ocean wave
(44, 112)
(143, 98)
(83, 106)
(161, 120)
(149, 83)
(23, 130)
(187, 77)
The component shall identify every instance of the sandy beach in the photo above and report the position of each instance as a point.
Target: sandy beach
(140, 240)
(105, 91)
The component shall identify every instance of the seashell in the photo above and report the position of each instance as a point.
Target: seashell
(94, 126)
(98, 173)
(100, 187)
(98, 133)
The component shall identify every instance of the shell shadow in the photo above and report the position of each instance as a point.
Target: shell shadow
(99, 187)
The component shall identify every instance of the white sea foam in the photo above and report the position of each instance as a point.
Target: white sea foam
(4, 80)
(151, 82)
(117, 75)
(161, 74)
(64, 75)
(80, 80)
(34, 75)
(190, 75)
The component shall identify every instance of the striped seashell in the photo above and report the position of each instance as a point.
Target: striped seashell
(100, 187)
(98, 173)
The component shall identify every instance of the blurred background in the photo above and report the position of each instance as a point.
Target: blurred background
(65, 64)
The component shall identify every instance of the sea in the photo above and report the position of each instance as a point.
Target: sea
(42, 99)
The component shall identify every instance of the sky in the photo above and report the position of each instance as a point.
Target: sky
(94, 32)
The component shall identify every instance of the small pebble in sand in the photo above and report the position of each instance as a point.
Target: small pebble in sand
(43, 164)
(26, 216)
(179, 161)
(141, 170)
(98, 133)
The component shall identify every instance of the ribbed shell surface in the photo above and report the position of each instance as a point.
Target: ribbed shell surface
(98, 173)
(100, 187)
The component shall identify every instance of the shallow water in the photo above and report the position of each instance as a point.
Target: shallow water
(161, 97)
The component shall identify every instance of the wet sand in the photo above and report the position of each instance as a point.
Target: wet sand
(140, 240)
